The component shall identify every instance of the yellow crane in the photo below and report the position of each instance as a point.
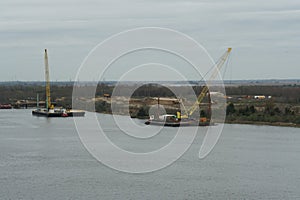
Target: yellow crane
(205, 89)
(47, 77)
(50, 111)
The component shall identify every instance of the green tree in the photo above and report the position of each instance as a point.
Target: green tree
(252, 109)
(143, 112)
(270, 107)
(230, 109)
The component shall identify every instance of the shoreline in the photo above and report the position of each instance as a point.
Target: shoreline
(278, 124)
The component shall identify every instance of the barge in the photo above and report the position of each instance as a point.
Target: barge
(58, 113)
(50, 110)
(5, 106)
(170, 120)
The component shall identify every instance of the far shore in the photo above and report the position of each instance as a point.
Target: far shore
(279, 124)
(283, 124)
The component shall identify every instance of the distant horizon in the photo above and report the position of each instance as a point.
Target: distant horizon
(174, 80)
(115, 81)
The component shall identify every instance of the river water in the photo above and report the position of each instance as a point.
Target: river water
(44, 159)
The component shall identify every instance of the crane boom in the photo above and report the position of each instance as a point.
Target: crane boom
(205, 89)
(47, 77)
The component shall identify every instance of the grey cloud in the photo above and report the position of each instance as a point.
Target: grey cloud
(251, 26)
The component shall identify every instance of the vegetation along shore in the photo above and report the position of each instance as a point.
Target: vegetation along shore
(277, 105)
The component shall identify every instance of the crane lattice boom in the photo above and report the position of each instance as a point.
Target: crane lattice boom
(47, 77)
(205, 89)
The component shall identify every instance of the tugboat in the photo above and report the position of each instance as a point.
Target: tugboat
(50, 111)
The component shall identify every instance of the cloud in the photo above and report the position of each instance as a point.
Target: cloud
(249, 26)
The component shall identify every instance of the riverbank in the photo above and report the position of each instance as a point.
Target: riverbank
(283, 124)
(277, 105)
(278, 124)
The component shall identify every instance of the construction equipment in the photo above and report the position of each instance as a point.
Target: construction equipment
(47, 77)
(50, 111)
(186, 119)
(205, 89)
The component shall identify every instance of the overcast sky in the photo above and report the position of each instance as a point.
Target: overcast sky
(265, 35)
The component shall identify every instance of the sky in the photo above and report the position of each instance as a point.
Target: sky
(264, 35)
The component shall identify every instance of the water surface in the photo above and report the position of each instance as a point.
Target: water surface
(44, 159)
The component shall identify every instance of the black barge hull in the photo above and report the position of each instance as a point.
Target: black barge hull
(42, 113)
